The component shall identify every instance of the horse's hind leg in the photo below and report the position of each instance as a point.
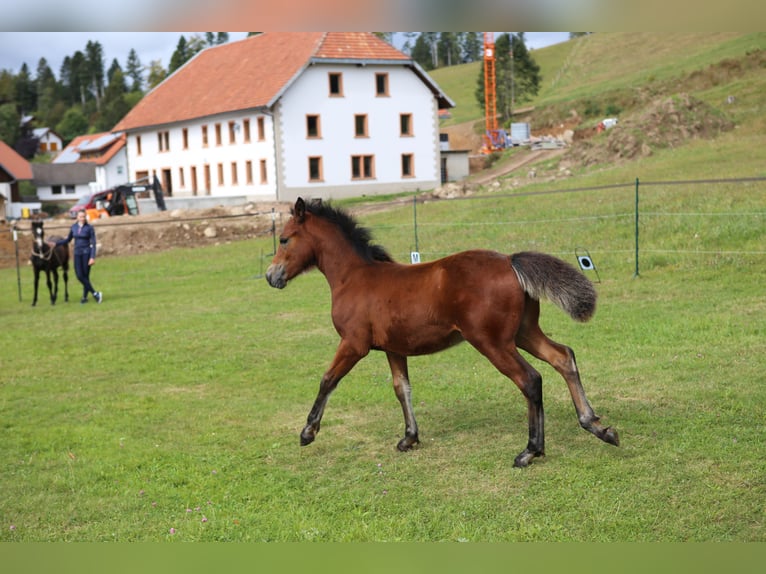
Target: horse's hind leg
(508, 361)
(531, 338)
(55, 290)
(401, 381)
(65, 272)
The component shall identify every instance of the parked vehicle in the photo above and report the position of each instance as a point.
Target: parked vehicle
(120, 200)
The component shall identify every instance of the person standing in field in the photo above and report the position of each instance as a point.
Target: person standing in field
(84, 236)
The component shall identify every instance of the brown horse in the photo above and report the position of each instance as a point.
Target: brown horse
(486, 298)
(48, 258)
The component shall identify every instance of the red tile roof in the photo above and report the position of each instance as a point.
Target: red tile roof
(10, 161)
(248, 74)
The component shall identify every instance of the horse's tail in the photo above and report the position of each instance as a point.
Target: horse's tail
(546, 276)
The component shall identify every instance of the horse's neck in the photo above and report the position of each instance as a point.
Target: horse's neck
(337, 259)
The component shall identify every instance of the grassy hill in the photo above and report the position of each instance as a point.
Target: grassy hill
(629, 74)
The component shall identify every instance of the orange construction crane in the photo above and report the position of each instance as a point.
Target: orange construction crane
(493, 139)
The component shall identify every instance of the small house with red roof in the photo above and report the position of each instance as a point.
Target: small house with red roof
(89, 163)
(13, 169)
(283, 114)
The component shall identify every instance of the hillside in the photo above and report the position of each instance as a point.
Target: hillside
(679, 99)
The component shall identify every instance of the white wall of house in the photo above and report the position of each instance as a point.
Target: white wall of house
(65, 192)
(178, 155)
(338, 142)
(114, 173)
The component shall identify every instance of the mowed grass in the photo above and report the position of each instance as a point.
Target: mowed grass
(172, 410)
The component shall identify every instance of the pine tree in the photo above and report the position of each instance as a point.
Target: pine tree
(134, 71)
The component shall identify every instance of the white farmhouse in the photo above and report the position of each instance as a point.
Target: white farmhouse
(283, 114)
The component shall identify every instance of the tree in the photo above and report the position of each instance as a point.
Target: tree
(134, 71)
(26, 95)
(526, 72)
(156, 74)
(46, 89)
(448, 49)
(73, 124)
(471, 43)
(95, 65)
(7, 87)
(114, 67)
(180, 56)
(115, 105)
(75, 77)
(421, 53)
(10, 121)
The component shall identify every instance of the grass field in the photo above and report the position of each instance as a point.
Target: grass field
(172, 410)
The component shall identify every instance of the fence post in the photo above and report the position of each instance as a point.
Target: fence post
(636, 272)
(415, 220)
(16, 249)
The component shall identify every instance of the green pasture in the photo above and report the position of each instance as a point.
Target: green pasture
(171, 411)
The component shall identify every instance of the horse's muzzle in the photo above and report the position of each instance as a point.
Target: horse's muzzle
(275, 275)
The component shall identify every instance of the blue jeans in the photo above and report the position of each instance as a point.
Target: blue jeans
(82, 270)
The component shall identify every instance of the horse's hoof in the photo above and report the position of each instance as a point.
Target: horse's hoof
(525, 457)
(307, 437)
(611, 436)
(407, 443)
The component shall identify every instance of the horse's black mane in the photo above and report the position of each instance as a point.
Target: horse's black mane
(360, 237)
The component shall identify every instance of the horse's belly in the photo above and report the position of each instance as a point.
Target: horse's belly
(423, 340)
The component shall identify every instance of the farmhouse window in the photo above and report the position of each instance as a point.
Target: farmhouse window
(264, 173)
(313, 127)
(138, 145)
(408, 165)
(220, 174)
(336, 83)
(194, 180)
(381, 84)
(362, 166)
(360, 125)
(204, 136)
(261, 130)
(249, 172)
(246, 130)
(315, 169)
(234, 178)
(232, 132)
(163, 141)
(405, 124)
(217, 134)
(185, 134)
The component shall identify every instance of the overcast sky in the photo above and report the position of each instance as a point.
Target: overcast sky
(17, 48)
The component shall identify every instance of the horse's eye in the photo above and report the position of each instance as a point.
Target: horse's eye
(283, 240)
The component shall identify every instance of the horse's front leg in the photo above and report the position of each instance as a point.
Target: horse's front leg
(345, 359)
(37, 282)
(403, 390)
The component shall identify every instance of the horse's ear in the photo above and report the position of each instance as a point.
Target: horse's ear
(299, 211)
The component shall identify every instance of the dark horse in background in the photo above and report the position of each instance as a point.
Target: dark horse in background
(487, 298)
(48, 258)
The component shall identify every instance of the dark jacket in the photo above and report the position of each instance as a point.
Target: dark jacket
(84, 239)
